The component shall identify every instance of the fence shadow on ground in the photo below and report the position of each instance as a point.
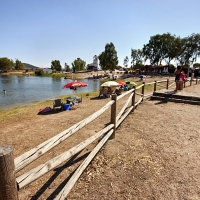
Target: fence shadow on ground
(58, 171)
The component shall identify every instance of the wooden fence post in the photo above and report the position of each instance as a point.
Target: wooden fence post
(8, 185)
(133, 98)
(192, 77)
(113, 114)
(143, 90)
(155, 86)
(167, 84)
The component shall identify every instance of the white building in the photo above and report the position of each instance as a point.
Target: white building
(47, 70)
(95, 65)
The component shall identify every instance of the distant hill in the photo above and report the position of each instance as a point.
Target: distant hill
(29, 66)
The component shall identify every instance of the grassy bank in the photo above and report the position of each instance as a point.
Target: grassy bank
(9, 114)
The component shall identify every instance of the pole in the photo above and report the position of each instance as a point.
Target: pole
(155, 86)
(143, 90)
(133, 98)
(192, 77)
(167, 84)
(8, 186)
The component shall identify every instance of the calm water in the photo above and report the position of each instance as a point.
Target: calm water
(23, 90)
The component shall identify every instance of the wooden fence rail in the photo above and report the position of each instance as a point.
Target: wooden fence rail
(42, 169)
(106, 133)
(65, 191)
(28, 157)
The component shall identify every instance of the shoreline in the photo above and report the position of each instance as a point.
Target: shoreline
(49, 102)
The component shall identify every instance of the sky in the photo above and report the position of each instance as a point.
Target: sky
(39, 31)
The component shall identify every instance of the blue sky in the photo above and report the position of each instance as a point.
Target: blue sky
(39, 31)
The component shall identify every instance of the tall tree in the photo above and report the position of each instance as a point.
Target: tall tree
(6, 64)
(137, 57)
(67, 67)
(171, 47)
(191, 49)
(180, 49)
(154, 50)
(102, 60)
(108, 59)
(19, 65)
(55, 65)
(126, 60)
(78, 65)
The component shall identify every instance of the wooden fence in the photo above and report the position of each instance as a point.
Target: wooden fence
(8, 165)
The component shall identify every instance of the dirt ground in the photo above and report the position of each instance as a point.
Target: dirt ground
(155, 155)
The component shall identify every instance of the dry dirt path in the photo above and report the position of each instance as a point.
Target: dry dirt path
(155, 156)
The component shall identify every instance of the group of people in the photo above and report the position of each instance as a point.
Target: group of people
(107, 92)
(179, 78)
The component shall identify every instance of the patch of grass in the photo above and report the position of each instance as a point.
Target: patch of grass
(9, 114)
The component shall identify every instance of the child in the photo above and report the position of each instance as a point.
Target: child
(182, 76)
(182, 79)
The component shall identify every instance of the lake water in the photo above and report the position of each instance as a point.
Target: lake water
(23, 90)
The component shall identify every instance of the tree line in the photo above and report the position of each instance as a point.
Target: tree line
(165, 47)
(8, 64)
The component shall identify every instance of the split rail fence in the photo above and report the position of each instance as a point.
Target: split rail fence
(9, 166)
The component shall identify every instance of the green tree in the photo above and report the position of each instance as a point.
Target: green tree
(6, 64)
(137, 57)
(55, 65)
(154, 51)
(39, 72)
(73, 68)
(78, 65)
(191, 47)
(108, 59)
(171, 46)
(126, 60)
(102, 60)
(19, 65)
(67, 67)
(180, 48)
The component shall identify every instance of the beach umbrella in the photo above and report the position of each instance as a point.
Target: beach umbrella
(121, 83)
(110, 84)
(75, 84)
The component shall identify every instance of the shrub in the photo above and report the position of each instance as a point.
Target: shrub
(39, 72)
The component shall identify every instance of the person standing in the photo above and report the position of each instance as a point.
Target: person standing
(182, 79)
(177, 78)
